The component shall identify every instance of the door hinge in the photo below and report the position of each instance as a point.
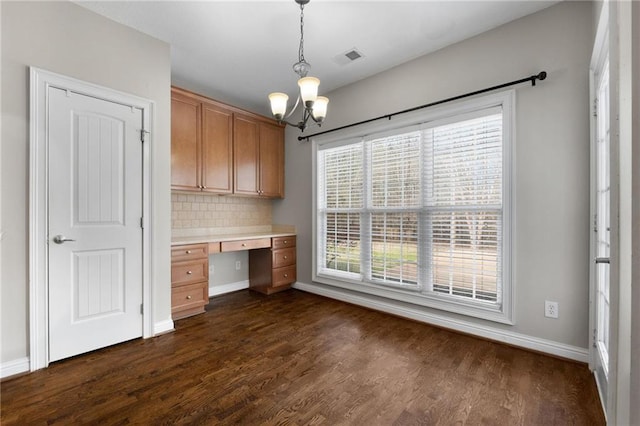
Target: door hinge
(141, 223)
(595, 337)
(141, 309)
(143, 134)
(595, 107)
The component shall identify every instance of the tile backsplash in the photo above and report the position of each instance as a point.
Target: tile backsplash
(215, 211)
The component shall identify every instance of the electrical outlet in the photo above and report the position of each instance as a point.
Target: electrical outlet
(550, 309)
(238, 265)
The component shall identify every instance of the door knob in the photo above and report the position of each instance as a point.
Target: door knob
(60, 239)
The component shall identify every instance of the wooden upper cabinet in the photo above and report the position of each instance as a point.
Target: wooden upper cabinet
(185, 143)
(222, 149)
(217, 149)
(246, 153)
(259, 157)
(271, 170)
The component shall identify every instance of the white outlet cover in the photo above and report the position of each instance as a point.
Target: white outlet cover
(550, 309)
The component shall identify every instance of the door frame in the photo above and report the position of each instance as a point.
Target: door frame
(40, 81)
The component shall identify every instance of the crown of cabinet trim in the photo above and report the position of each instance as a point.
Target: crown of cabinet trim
(223, 149)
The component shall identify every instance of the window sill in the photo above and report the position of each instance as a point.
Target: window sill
(435, 301)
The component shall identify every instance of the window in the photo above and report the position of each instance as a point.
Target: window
(419, 213)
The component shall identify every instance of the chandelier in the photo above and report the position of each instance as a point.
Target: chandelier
(315, 107)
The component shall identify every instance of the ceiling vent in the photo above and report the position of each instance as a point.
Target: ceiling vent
(353, 54)
(348, 56)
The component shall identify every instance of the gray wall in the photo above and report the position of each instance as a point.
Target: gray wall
(224, 265)
(551, 154)
(65, 38)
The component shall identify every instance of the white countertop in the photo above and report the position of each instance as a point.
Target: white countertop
(226, 237)
(216, 235)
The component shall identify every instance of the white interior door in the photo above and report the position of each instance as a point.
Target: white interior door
(94, 220)
(602, 232)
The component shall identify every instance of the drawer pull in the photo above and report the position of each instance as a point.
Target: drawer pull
(244, 245)
(285, 258)
(285, 241)
(188, 251)
(189, 297)
(189, 272)
(286, 275)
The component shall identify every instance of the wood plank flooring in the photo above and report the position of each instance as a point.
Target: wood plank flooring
(297, 358)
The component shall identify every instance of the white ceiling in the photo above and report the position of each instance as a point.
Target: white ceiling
(240, 51)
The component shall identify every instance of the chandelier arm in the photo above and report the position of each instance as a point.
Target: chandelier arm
(317, 121)
(300, 125)
(295, 106)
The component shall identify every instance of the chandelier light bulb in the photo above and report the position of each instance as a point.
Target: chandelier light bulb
(278, 104)
(308, 90)
(320, 108)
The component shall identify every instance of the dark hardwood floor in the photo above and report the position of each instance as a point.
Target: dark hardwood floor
(297, 358)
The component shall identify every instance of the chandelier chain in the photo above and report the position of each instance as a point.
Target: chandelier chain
(301, 48)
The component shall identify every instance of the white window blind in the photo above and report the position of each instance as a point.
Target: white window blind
(394, 205)
(418, 210)
(464, 197)
(341, 185)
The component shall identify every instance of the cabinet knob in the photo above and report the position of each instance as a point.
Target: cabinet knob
(286, 275)
(285, 241)
(244, 245)
(204, 186)
(188, 297)
(188, 251)
(189, 272)
(285, 258)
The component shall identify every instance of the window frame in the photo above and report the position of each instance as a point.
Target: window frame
(459, 111)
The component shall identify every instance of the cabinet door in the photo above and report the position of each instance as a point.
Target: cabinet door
(245, 154)
(185, 143)
(217, 148)
(271, 160)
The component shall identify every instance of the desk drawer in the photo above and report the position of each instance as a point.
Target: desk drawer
(189, 252)
(284, 257)
(189, 272)
(245, 244)
(282, 242)
(283, 276)
(189, 296)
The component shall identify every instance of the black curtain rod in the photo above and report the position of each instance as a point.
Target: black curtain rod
(540, 76)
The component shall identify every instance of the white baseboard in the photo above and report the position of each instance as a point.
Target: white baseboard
(162, 327)
(17, 366)
(228, 288)
(22, 365)
(418, 314)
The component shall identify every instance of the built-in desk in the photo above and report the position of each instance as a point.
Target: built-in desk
(272, 266)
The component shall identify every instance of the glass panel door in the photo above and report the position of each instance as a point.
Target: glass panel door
(602, 229)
